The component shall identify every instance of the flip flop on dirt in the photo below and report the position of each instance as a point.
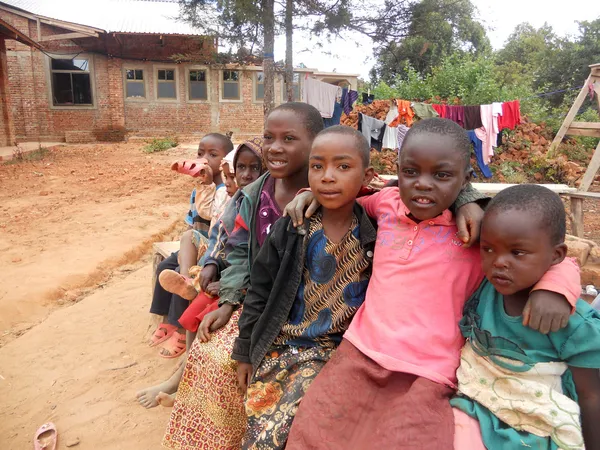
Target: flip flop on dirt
(163, 332)
(45, 437)
(175, 283)
(174, 346)
(192, 167)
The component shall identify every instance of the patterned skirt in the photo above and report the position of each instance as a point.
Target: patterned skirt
(276, 391)
(209, 407)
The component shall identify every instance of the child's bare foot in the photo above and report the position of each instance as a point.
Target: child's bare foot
(166, 400)
(177, 284)
(148, 397)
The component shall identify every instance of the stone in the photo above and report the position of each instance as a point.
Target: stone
(594, 256)
(590, 274)
(72, 442)
(578, 249)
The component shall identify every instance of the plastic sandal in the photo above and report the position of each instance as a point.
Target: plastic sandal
(192, 167)
(163, 332)
(175, 346)
(45, 437)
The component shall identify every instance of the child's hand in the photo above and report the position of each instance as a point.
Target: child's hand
(468, 221)
(213, 288)
(244, 375)
(213, 321)
(205, 175)
(295, 208)
(546, 311)
(207, 276)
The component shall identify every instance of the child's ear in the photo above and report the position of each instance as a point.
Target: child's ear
(560, 253)
(369, 174)
(468, 176)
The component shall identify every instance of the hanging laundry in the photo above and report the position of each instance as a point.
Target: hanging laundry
(478, 147)
(372, 129)
(401, 134)
(424, 110)
(491, 137)
(390, 138)
(456, 114)
(348, 100)
(496, 112)
(405, 114)
(322, 96)
(336, 117)
(367, 99)
(473, 117)
(442, 110)
(511, 115)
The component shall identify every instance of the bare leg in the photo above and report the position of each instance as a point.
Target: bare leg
(148, 397)
(188, 253)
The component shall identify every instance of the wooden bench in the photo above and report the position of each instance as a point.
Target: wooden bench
(161, 251)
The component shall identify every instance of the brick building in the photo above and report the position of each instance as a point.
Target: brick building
(105, 71)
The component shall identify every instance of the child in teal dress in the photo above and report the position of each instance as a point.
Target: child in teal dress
(519, 388)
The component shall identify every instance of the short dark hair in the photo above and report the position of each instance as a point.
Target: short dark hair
(544, 206)
(362, 145)
(444, 127)
(311, 117)
(225, 141)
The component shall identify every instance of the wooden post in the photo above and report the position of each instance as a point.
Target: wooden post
(590, 173)
(577, 216)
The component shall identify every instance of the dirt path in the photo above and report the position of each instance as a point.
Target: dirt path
(68, 219)
(80, 368)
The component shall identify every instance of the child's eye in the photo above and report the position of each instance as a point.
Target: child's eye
(443, 175)
(344, 166)
(486, 249)
(316, 166)
(214, 155)
(289, 138)
(240, 167)
(518, 252)
(255, 168)
(267, 137)
(409, 172)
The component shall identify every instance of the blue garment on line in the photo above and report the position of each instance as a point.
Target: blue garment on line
(336, 117)
(478, 146)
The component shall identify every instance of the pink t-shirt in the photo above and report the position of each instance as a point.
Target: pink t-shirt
(422, 277)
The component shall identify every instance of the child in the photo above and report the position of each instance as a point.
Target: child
(389, 383)
(305, 289)
(248, 162)
(539, 391)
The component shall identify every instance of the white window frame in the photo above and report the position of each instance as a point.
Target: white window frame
(222, 84)
(91, 71)
(144, 81)
(175, 70)
(255, 84)
(187, 83)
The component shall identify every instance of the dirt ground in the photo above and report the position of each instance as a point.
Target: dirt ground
(76, 227)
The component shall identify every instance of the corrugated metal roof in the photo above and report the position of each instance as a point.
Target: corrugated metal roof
(118, 16)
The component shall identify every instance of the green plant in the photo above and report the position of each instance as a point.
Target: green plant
(20, 156)
(159, 145)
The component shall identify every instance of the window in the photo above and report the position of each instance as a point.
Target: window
(166, 84)
(296, 85)
(71, 83)
(197, 88)
(259, 83)
(135, 87)
(231, 85)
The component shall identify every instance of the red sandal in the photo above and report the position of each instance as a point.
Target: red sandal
(163, 332)
(192, 167)
(175, 346)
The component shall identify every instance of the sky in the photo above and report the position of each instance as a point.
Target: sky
(500, 17)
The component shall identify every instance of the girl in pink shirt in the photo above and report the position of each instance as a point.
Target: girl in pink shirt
(389, 383)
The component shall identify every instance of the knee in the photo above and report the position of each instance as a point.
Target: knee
(187, 236)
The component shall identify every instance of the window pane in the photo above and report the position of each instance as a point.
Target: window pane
(167, 90)
(296, 77)
(198, 90)
(231, 91)
(82, 90)
(139, 74)
(260, 77)
(260, 91)
(170, 74)
(296, 93)
(197, 75)
(230, 75)
(70, 64)
(131, 74)
(62, 91)
(162, 75)
(134, 89)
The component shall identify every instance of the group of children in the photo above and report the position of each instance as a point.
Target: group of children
(368, 323)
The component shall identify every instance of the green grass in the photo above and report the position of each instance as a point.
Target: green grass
(36, 155)
(159, 145)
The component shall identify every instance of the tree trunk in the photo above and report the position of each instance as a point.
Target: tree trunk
(268, 61)
(289, 61)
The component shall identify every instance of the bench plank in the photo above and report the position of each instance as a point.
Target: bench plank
(166, 248)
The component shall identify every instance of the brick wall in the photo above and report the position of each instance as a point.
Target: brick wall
(6, 124)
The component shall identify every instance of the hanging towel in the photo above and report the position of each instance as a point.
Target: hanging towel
(511, 115)
(496, 112)
(405, 114)
(348, 101)
(456, 114)
(373, 129)
(424, 110)
(478, 147)
(401, 133)
(390, 138)
(491, 136)
(473, 117)
(442, 110)
(320, 95)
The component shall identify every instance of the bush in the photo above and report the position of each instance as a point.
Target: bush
(159, 145)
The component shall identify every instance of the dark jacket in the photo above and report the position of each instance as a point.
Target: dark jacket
(275, 277)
